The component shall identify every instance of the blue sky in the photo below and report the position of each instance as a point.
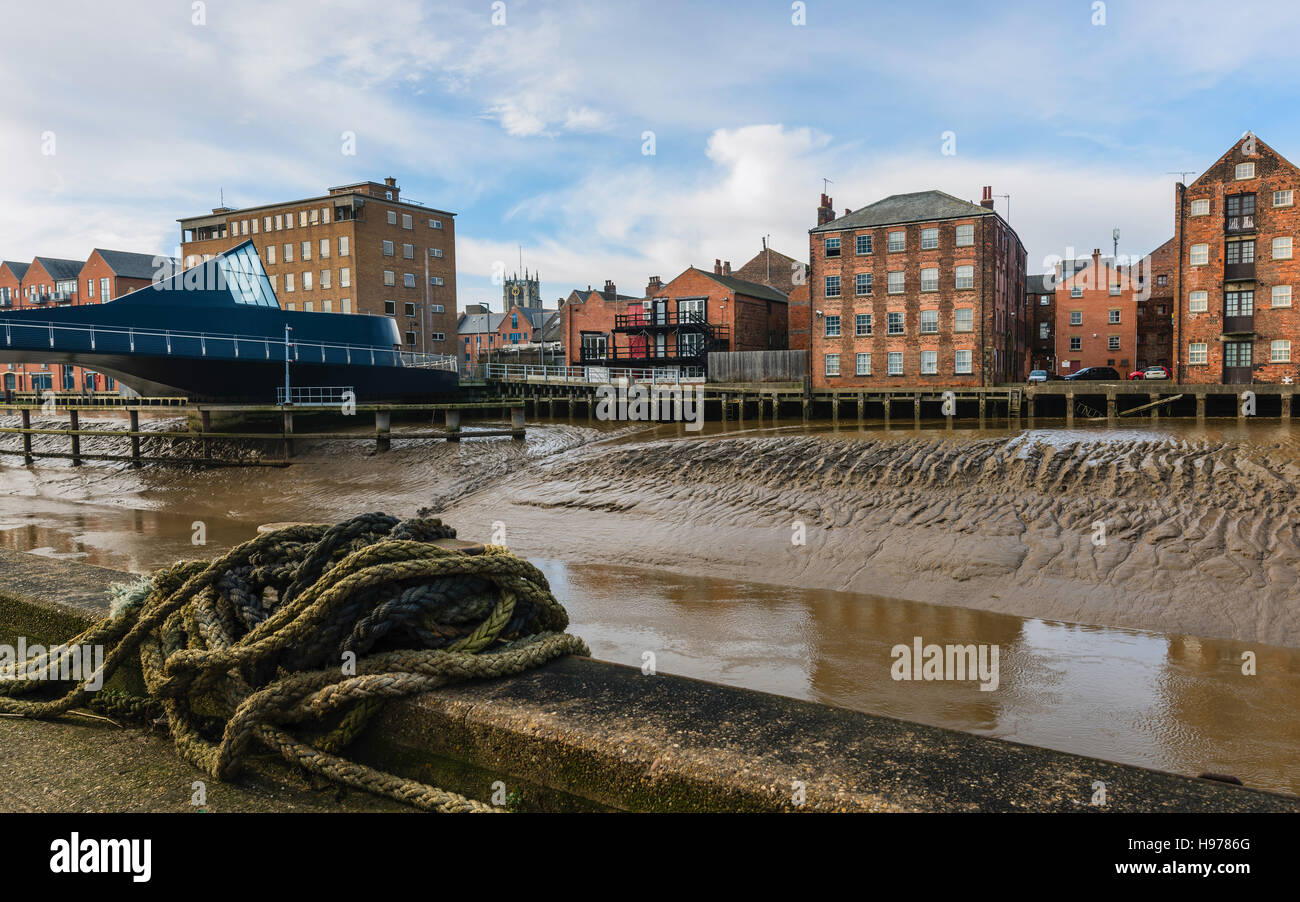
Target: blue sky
(531, 131)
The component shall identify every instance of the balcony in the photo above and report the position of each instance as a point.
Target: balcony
(1239, 224)
(638, 320)
(1239, 325)
(1239, 272)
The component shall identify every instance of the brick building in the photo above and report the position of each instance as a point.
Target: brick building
(790, 277)
(484, 333)
(917, 289)
(358, 249)
(1235, 234)
(1156, 310)
(677, 324)
(1040, 297)
(1096, 315)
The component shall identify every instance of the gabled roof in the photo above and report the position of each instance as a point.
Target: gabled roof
(18, 269)
(60, 269)
(921, 206)
(1040, 284)
(771, 268)
(585, 295)
(471, 323)
(1259, 144)
(741, 286)
(131, 265)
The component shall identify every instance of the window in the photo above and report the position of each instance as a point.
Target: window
(895, 323)
(832, 247)
(963, 319)
(302, 219)
(1241, 212)
(1282, 199)
(929, 363)
(1114, 290)
(1196, 302)
(343, 245)
(435, 223)
(408, 251)
(895, 283)
(390, 277)
(1044, 300)
(409, 309)
(279, 217)
(929, 239)
(1044, 331)
(288, 253)
(1200, 254)
(1239, 303)
(315, 217)
(324, 248)
(105, 290)
(306, 281)
(436, 280)
(437, 336)
(306, 250)
(962, 361)
(895, 363)
(1076, 291)
(1281, 296)
(388, 248)
(1113, 316)
(832, 364)
(1281, 248)
(863, 283)
(270, 253)
(864, 244)
(832, 327)
(1238, 353)
(326, 306)
(324, 278)
(863, 364)
(392, 217)
(288, 281)
(930, 279)
(390, 308)
(435, 252)
(1279, 351)
(1162, 281)
(1245, 171)
(1239, 252)
(965, 236)
(325, 215)
(411, 337)
(346, 305)
(863, 323)
(965, 276)
(437, 308)
(1076, 343)
(1076, 317)
(929, 322)
(345, 276)
(1112, 342)
(897, 241)
(832, 286)
(1201, 207)
(90, 288)
(408, 280)
(406, 221)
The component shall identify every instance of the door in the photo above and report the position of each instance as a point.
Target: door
(1237, 359)
(660, 311)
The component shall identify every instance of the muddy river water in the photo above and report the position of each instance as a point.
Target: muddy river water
(794, 561)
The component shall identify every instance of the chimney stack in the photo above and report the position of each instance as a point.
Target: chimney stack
(717, 266)
(726, 267)
(825, 212)
(609, 293)
(987, 199)
(390, 182)
(653, 287)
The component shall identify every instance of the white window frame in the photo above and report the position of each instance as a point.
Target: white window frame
(964, 277)
(967, 230)
(1198, 353)
(895, 357)
(832, 282)
(957, 317)
(929, 239)
(902, 282)
(1198, 255)
(962, 354)
(1279, 351)
(862, 363)
(929, 363)
(934, 318)
(1285, 245)
(1200, 207)
(1280, 296)
(902, 242)
(832, 365)
(930, 282)
(832, 326)
(1198, 301)
(1244, 171)
(1287, 198)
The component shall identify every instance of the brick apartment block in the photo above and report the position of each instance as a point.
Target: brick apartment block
(358, 249)
(1238, 269)
(1040, 296)
(917, 289)
(1156, 313)
(1096, 315)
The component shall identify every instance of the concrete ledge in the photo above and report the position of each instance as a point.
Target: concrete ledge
(582, 734)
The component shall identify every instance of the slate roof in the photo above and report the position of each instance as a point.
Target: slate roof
(1040, 284)
(921, 206)
(60, 269)
(741, 286)
(130, 265)
(18, 269)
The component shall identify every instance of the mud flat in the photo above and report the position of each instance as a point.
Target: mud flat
(1159, 533)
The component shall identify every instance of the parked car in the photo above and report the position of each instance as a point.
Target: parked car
(1037, 376)
(1136, 374)
(1157, 372)
(1094, 374)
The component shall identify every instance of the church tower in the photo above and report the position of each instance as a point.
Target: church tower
(525, 292)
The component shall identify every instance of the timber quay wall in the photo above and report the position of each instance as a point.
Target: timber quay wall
(583, 734)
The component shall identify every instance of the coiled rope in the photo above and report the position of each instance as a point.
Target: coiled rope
(293, 640)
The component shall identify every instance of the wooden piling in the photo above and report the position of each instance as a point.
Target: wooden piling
(1286, 407)
(288, 433)
(1200, 407)
(74, 421)
(27, 436)
(453, 425)
(383, 430)
(1110, 405)
(517, 422)
(133, 419)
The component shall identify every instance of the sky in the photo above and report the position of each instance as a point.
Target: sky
(620, 140)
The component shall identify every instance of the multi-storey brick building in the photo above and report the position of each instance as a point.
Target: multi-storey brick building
(1156, 308)
(917, 289)
(358, 249)
(1235, 233)
(1096, 315)
(790, 277)
(1040, 298)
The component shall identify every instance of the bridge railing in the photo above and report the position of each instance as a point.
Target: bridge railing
(316, 395)
(64, 338)
(589, 375)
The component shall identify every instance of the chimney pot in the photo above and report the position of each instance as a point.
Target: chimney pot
(987, 200)
(726, 268)
(390, 182)
(717, 266)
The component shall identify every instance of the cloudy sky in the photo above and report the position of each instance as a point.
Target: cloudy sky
(529, 119)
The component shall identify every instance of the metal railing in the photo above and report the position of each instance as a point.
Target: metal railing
(316, 395)
(590, 375)
(61, 337)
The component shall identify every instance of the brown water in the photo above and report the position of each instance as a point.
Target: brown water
(773, 620)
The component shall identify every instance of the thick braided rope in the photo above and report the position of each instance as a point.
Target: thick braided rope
(251, 646)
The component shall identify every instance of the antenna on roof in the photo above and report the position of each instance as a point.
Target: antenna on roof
(1181, 173)
(223, 196)
(826, 183)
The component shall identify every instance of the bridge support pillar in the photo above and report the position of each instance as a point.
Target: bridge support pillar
(517, 422)
(27, 436)
(1286, 407)
(288, 433)
(74, 423)
(1200, 407)
(1110, 405)
(862, 407)
(453, 425)
(835, 408)
(1069, 408)
(134, 428)
(916, 410)
(205, 426)
(1155, 411)
(1029, 403)
(983, 404)
(889, 408)
(383, 429)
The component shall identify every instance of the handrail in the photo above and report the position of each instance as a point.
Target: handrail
(509, 372)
